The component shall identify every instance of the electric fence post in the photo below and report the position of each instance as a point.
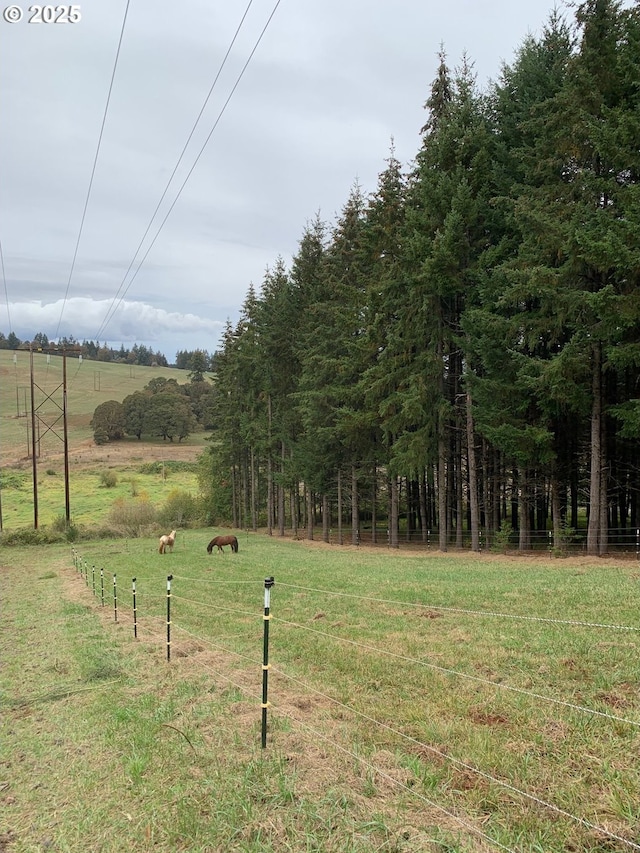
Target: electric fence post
(169, 579)
(102, 586)
(115, 600)
(268, 583)
(93, 578)
(135, 611)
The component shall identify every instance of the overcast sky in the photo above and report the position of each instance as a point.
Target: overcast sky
(329, 85)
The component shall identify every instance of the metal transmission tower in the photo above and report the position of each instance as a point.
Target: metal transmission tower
(39, 418)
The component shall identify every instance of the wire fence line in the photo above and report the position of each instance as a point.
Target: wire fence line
(321, 736)
(382, 773)
(212, 581)
(457, 762)
(417, 604)
(246, 659)
(213, 606)
(447, 671)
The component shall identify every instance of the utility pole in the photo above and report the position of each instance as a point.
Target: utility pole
(67, 505)
(34, 464)
(50, 426)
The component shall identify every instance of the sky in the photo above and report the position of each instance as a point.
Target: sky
(86, 154)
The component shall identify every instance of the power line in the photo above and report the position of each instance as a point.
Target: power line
(4, 281)
(111, 309)
(93, 170)
(173, 204)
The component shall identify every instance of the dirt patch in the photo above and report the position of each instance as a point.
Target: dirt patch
(116, 454)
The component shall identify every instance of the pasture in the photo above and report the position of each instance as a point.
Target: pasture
(418, 702)
(152, 467)
(89, 383)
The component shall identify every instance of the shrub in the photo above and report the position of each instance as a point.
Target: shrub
(29, 536)
(59, 523)
(100, 436)
(181, 509)
(501, 537)
(133, 518)
(109, 479)
(13, 480)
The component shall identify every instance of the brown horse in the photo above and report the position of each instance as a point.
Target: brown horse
(219, 541)
(166, 542)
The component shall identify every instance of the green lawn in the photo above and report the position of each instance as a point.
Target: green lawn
(418, 702)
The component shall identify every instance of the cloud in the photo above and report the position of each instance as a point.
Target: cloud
(132, 322)
(328, 87)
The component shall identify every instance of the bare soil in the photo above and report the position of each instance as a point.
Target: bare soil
(114, 454)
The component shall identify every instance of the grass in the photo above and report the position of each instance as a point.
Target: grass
(90, 500)
(89, 383)
(374, 733)
(138, 468)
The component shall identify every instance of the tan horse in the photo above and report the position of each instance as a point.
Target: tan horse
(166, 542)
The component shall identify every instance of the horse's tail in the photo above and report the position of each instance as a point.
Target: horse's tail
(234, 546)
(161, 548)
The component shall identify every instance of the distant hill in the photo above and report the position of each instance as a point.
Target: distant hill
(89, 383)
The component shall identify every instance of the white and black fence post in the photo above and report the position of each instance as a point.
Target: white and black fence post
(268, 583)
(169, 579)
(135, 609)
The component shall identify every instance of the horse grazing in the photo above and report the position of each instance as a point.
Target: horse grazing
(219, 541)
(166, 542)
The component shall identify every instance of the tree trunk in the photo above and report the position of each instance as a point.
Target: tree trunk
(293, 499)
(355, 513)
(281, 500)
(473, 478)
(393, 512)
(422, 504)
(254, 492)
(443, 532)
(270, 502)
(457, 467)
(524, 506)
(234, 497)
(339, 507)
(325, 517)
(374, 506)
(556, 512)
(595, 479)
(309, 507)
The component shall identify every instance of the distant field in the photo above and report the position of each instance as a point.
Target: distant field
(88, 384)
(90, 501)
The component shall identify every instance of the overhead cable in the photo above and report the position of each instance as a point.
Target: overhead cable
(93, 170)
(113, 309)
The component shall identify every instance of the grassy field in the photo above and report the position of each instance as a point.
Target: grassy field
(419, 702)
(89, 384)
(90, 500)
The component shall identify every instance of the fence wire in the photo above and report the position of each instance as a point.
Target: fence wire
(384, 726)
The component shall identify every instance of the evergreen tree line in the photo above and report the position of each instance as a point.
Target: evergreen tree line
(138, 354)
(460, 351)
